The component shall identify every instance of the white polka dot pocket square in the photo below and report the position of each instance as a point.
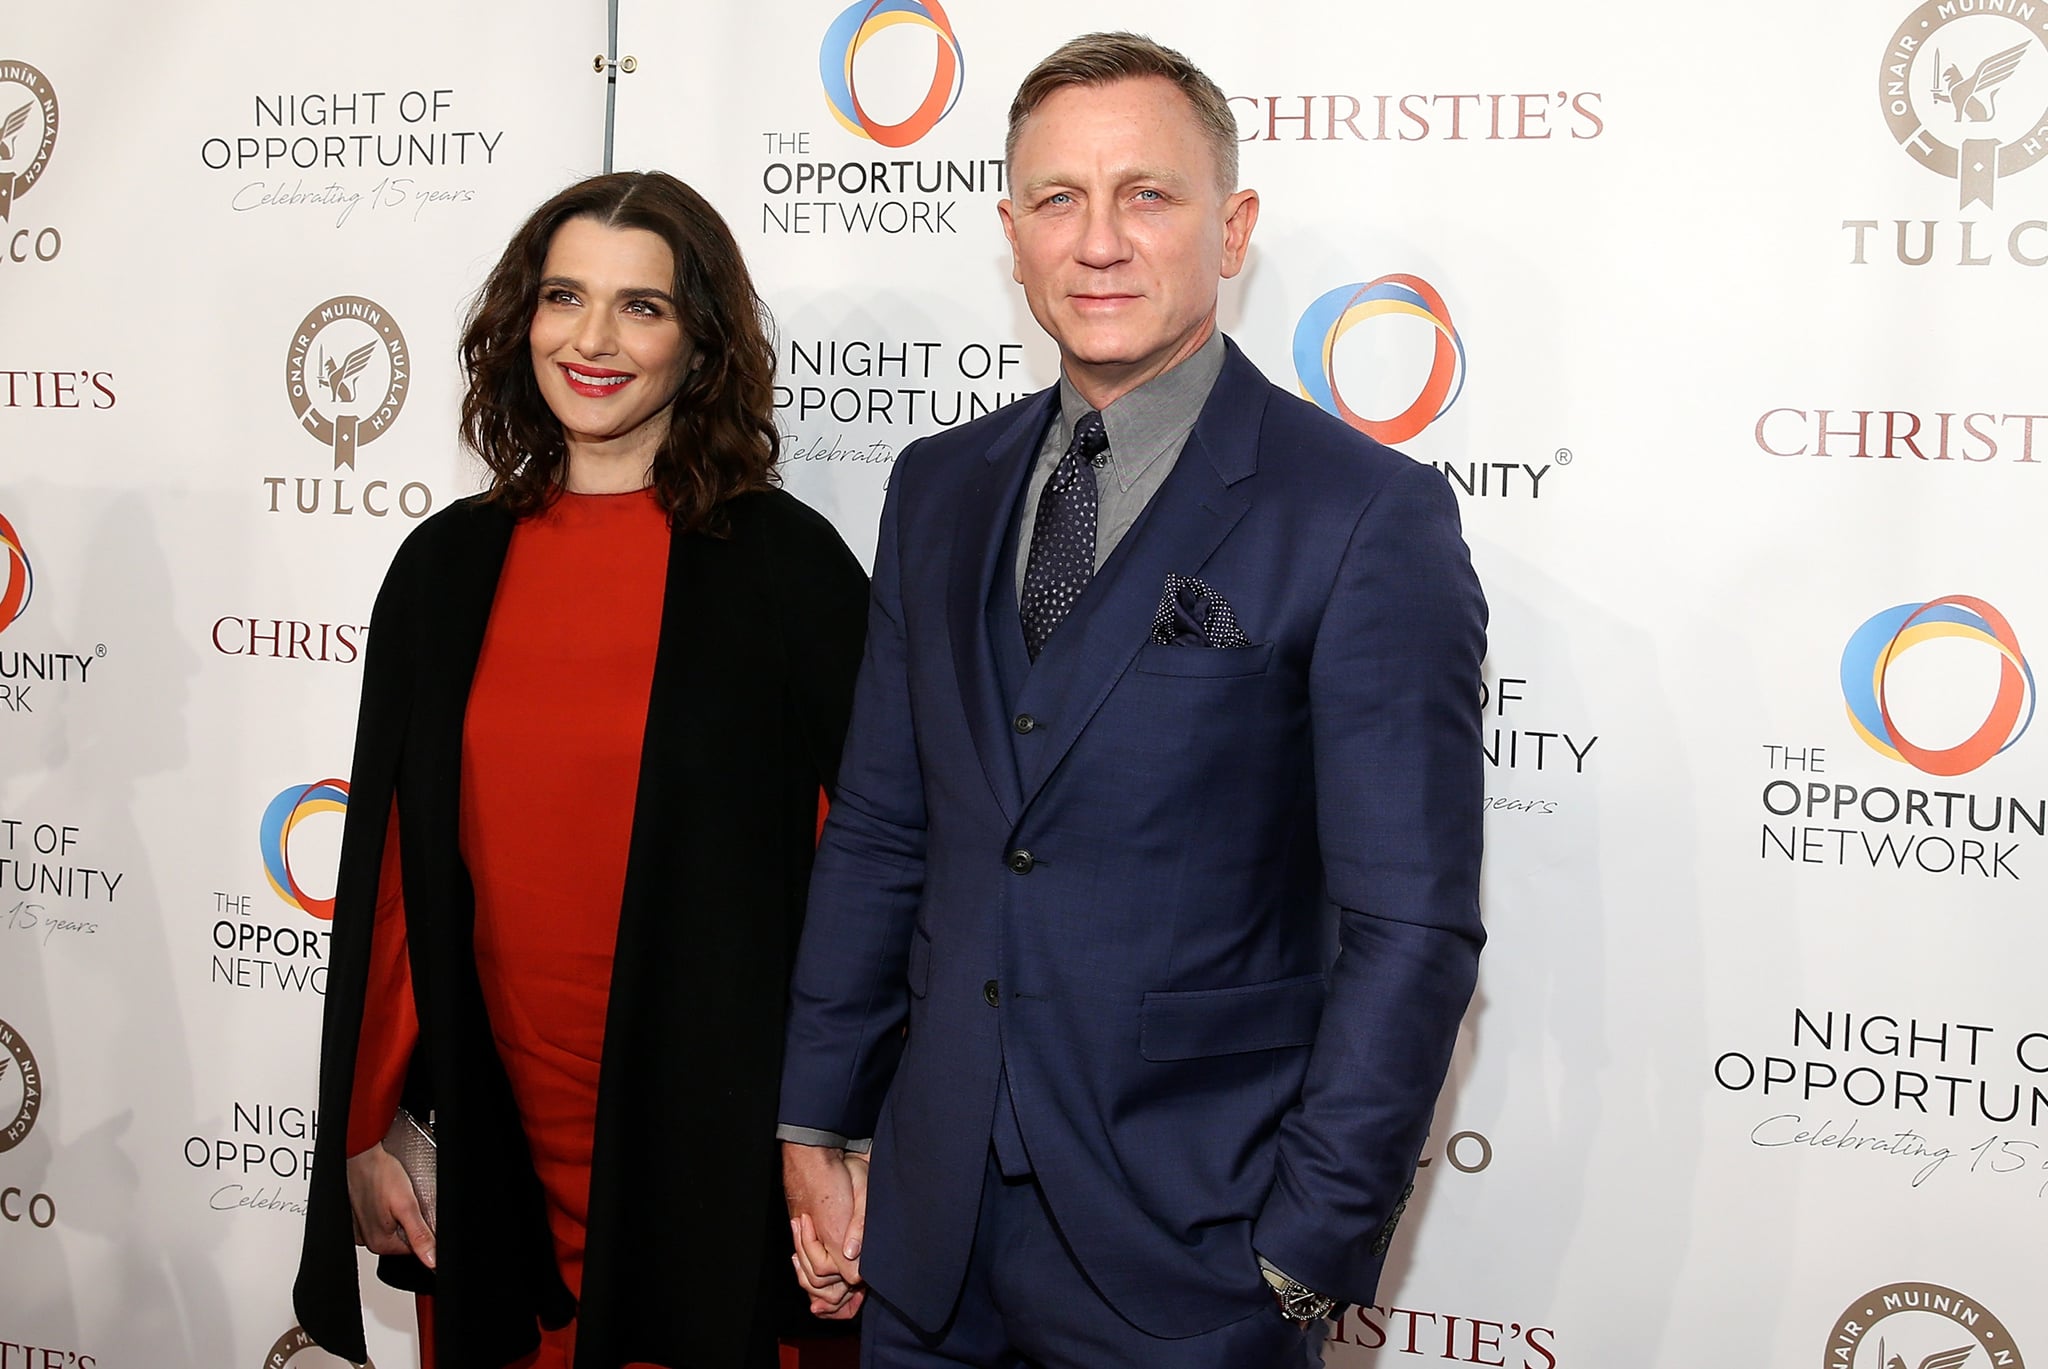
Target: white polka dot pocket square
(1192, 614)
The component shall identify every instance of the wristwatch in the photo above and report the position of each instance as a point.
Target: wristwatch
(1298, 1302)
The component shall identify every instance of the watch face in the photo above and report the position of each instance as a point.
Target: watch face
(1304, 1305)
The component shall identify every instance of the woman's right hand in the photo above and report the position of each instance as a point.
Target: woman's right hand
(387, 1211)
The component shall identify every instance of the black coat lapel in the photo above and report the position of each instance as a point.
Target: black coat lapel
(465, 584)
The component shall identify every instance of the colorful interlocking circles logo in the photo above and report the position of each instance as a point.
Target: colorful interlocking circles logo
(1335, 314)
(839, 55)
(1877, 692)
(291, 807)
(19, 583)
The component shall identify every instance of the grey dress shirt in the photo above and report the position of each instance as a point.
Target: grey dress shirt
(1147, 428)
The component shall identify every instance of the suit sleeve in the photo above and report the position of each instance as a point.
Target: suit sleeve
(1394, 698)
(850, 995)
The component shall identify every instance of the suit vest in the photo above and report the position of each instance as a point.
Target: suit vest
(1023, 682)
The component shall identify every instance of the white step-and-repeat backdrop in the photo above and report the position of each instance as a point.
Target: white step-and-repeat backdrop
(1728, 333)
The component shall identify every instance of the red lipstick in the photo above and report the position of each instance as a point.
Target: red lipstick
(595, 382)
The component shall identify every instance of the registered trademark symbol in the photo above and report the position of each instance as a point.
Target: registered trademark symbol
(1563, 456)
(100, 650)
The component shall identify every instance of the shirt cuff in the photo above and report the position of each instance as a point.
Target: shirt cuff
(813, 1136)
(1266, 1266)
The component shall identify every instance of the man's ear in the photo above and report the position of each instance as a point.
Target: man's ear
(1007, 213)
(1240, 215)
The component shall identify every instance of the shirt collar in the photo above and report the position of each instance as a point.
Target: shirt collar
(1153, 419)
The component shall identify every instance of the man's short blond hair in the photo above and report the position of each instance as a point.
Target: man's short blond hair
(1097, 59)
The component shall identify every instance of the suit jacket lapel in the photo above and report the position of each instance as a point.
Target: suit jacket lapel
(1186, 521)
(980, 531)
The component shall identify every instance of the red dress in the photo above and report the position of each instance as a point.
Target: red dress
(550, 766)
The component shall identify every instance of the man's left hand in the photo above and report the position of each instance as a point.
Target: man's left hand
(827, 1191)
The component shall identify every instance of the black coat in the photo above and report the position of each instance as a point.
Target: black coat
(760, 637)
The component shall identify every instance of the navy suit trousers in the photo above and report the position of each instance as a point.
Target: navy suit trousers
(1027, 1305)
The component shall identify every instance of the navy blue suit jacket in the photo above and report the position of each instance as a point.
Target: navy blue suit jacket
(1226, 983)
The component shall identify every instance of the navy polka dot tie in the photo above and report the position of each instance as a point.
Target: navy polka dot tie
(1062, 556)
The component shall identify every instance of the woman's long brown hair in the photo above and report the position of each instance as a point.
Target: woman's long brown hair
(722, 439)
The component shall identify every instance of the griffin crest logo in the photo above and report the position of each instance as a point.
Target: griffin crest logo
(1920, 1326)
(1962, 97)
(28, 130)
(296, 1349)
(21, 1089)
(10, 127)
(1976, 99)
(340, 380)
(1940, 1359)
(347, 402)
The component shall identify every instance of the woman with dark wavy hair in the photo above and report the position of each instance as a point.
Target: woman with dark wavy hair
(601, 701)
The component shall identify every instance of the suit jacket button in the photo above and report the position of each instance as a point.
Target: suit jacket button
(991, 993)
(1021, 862)
(1024, 722)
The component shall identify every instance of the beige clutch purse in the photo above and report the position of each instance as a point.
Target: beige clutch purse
(413, 1145)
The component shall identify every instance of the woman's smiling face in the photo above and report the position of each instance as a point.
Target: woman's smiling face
(608, 346)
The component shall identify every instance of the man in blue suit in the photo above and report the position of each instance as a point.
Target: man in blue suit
(1148, 905)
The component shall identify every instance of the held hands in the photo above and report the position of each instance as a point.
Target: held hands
(827, 1191)
(387, 1211)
